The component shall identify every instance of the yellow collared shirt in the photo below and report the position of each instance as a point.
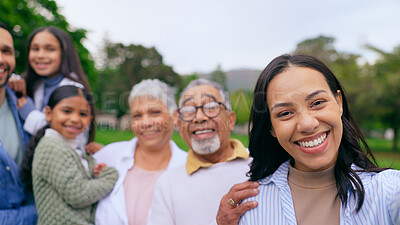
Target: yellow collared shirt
(193, 163)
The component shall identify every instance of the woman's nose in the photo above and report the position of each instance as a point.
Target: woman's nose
(307, 122)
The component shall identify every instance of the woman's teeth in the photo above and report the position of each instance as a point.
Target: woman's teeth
(312, 143)
(148, 132)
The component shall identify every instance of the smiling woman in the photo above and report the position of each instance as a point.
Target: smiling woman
(141, 160)
(305, 117)
(307, 152)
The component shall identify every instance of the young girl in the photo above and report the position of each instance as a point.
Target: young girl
(66, 182)
(52, 62)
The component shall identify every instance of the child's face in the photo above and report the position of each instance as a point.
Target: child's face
(70, 117)
(45, 54)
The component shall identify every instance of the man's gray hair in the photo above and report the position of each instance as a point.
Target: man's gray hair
(156, 89)
(202, 81)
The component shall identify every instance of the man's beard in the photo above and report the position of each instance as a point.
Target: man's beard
(206, 146)
(6, 80)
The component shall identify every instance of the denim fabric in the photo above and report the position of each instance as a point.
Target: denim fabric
(16, 206)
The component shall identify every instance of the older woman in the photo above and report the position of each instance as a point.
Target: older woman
(141, 160)
(309, 155)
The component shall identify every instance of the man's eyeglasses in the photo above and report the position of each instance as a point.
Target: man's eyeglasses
(210, 109)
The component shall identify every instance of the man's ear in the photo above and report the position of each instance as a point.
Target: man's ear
(232, 120)
(178, 121)
(48, 113)
(272, 131)
(175, 119)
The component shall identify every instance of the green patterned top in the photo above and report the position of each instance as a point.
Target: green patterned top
(65, 193)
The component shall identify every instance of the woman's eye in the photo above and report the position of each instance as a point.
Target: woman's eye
(135, 116)
(317, 103)
(84, 114)
(156, 112)
(283, 114)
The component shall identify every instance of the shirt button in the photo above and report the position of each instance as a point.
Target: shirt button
(8, 168)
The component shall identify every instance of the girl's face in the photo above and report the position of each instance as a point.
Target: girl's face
(70, 117)
(45, 54)
(152, 122)
(306, 117)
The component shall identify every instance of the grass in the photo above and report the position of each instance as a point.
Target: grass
(381, 148)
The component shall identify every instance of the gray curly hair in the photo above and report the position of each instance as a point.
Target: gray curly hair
(202, 81)
(156, 89)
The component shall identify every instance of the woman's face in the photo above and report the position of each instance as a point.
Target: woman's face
(45, 54)
(306, 117)
(152, 123)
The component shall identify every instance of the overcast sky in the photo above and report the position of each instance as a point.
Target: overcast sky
(196, 36)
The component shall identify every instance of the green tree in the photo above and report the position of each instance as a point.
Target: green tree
(386, 92)
(23, 16)
(220, 77)
(320, 47)
(122, 67)
(241, 102)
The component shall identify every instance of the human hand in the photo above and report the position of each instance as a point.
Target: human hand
(93, 147)
(230, 210)
(98, 169)
(18, 85)
(21, 102)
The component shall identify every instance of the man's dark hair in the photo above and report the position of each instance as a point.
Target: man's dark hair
(5, 27)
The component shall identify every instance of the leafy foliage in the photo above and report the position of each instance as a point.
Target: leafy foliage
(23, 16)
(124, 66)
(386, 95)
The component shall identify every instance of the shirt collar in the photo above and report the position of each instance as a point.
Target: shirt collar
(73, 143)
(49, 82)
(193, 163)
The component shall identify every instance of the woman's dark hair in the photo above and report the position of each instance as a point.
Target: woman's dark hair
(59, 94)
(70, 64)
(268, 154)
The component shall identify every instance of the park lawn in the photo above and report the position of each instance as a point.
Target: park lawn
(381, 148)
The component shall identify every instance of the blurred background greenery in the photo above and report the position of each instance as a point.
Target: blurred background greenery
(373, 89)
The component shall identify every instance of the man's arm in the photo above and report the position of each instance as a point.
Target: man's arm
(23, 215)
(230, 213)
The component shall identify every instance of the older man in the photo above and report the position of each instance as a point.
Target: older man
(191, 194)
(16, 207)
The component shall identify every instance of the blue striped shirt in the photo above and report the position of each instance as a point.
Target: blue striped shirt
(381, 204)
